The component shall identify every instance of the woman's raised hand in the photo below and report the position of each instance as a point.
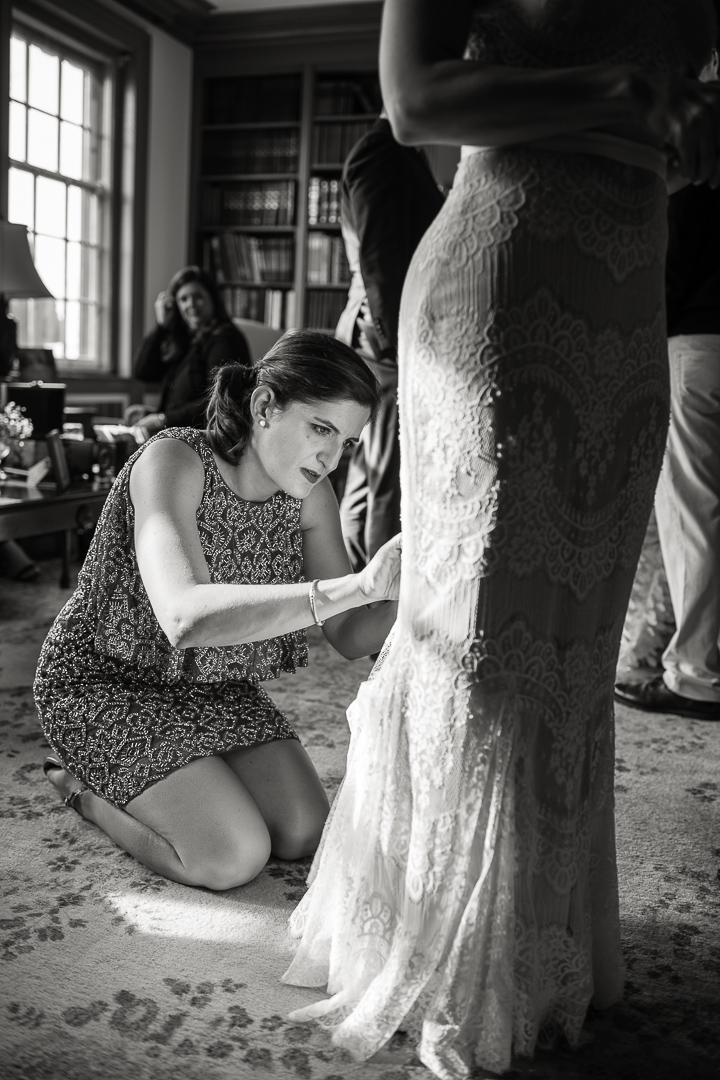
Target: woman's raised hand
(380, 580)
(163, 308)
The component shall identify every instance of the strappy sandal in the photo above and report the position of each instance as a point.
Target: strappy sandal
(70, 800)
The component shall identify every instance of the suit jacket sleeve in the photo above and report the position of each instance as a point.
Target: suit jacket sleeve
(376, 184)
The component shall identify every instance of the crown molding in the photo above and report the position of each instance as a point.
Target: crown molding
(308, 25)
(182, 19)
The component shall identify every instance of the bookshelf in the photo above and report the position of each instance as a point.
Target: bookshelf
(249, 176)
(270, 152)
(345, 105)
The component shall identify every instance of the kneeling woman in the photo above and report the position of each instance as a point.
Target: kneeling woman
(214, 552)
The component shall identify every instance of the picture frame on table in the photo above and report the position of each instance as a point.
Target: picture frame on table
(56, 453)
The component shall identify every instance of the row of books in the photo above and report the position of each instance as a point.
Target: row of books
(343, 97)
(324, 309)
(238, 257)
(327, 262)
(323, 201)
(250, 152)
(274, 307)
(252, 99)
(332, 142)
(266, 202)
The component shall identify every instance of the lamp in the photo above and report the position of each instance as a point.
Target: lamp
(18, 279)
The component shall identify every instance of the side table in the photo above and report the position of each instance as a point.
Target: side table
(40, 510)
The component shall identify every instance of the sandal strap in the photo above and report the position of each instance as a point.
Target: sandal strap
(71, 800)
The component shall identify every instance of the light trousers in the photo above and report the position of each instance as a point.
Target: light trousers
(687, 507)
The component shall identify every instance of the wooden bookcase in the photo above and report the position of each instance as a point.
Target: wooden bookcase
(344, 107)
(271, 151)
(280, 98)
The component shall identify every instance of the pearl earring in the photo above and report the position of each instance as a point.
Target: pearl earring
(263, 423)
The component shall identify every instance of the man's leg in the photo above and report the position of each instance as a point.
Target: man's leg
(382, 462)
(687, 507)
(353, 507)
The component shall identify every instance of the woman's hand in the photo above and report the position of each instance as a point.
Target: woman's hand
(380, 580)
(163, 308)
(684, 115)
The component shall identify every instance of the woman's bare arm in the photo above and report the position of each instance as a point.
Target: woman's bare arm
(362, 630)
(166, 486)
(433, 95)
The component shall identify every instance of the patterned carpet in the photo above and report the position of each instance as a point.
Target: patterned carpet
(110, 972)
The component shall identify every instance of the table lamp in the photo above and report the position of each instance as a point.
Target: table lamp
(18, 279)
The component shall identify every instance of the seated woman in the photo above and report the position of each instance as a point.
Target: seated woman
(195, 588)
(194, 335)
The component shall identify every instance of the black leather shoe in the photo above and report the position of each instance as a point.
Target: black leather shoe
(653, 695)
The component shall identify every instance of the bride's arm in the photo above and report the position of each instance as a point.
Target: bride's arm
(433, 95)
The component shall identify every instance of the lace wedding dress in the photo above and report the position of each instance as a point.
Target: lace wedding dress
(465, 890)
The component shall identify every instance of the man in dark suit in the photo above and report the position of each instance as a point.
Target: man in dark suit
(389, 197)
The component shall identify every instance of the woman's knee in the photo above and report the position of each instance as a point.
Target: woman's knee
(232, 866)
(300, 837)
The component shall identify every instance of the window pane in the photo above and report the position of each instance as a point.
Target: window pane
(42, 141)
(16, 145)
(18, 69)
(90, 330)
(92, 233)
(90, 283)
(72, 87)
(43, 82)
(74, 255)
(50, 263)
(38, 323)
(20, 197)
(72, 330)
(50, 207)
(71, 150)
(74, 213)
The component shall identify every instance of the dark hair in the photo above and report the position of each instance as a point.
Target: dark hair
(304, 365)
(179, 335)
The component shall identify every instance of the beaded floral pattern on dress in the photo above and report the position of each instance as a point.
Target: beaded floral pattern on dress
(243, 543)
(118, 703)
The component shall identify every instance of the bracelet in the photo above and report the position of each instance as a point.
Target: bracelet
(311, 597)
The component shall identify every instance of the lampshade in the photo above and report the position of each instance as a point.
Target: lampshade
(18, 276)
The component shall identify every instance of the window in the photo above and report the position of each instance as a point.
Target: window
(59, 185)
(74, 148)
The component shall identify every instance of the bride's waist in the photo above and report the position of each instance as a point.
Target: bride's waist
(604, 144)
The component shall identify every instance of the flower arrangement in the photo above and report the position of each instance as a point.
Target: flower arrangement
(14, 425)
(14, 428)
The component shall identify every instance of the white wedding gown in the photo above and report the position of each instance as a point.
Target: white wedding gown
(466, 890)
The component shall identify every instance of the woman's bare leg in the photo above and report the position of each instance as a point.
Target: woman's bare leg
(198, 826)
(282, 781)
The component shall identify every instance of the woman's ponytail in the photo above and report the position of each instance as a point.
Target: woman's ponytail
(228, 410)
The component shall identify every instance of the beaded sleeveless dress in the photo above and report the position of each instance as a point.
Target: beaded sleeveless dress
(465, 890)
(122, 707)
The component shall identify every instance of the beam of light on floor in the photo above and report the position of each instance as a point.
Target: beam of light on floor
(205, 918)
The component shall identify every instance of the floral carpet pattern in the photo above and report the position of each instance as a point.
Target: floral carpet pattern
(109, 972)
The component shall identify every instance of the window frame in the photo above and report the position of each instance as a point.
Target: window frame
(126, 47)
